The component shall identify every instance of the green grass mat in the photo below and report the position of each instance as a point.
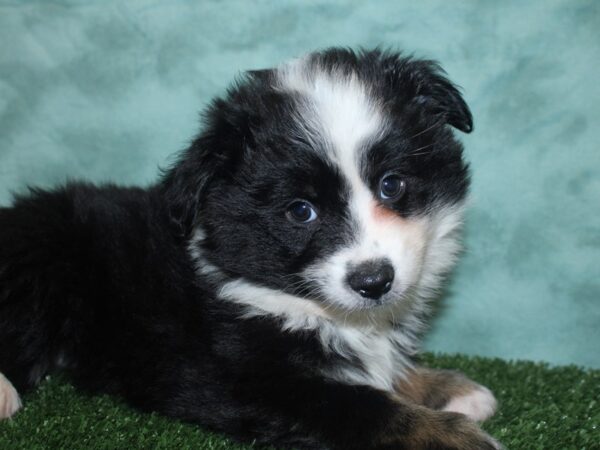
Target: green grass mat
(541, 407)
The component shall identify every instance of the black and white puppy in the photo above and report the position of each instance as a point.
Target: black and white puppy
(273, 284)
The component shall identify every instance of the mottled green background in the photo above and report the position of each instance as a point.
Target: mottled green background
(108, 90)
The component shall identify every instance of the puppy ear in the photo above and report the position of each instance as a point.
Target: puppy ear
(424, 83)
(441, 97)
(185, 184)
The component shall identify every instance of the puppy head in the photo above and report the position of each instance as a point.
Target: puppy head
(335, 178)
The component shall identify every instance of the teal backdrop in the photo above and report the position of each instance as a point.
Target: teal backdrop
(106, 90)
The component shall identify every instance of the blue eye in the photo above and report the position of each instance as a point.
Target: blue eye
(301, 211)
(391, 188)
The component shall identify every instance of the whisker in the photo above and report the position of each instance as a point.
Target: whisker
(393, 317)
(416, 152)
(439, 122)
(419, 154)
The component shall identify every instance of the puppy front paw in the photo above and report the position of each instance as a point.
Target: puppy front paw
(428, 429)
(455, 431)
(10, 402)
(479, 404)
(448, 390)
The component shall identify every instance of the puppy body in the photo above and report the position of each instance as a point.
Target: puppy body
(268, 286)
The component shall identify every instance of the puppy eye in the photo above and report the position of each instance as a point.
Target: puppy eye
(301, 211)
(391, 188)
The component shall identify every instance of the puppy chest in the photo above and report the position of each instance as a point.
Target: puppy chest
(370, 358)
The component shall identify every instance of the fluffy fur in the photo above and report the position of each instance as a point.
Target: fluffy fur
(207, 298)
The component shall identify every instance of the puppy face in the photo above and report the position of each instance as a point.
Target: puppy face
(335, 178)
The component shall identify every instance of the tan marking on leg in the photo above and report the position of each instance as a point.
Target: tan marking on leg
(10, 402)
(414, 386)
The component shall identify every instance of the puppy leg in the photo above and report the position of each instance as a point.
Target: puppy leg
(10, 402)
(362, 418)
(448, 391)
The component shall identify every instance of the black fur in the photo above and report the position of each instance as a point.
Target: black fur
(98, 282)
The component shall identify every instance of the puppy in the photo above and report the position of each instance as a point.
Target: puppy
(273, 284)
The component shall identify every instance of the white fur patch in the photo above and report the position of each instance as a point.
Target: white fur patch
(10, 402)
(382, 356)
(478, 405)
(381, 348)
(336, 108)
(297, 313)
(442, 247)
(203, 267)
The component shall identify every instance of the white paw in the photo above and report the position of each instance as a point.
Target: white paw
(10, 402)
(478, 405)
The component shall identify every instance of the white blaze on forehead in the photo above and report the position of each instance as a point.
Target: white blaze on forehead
(336, 107)
(339, 109)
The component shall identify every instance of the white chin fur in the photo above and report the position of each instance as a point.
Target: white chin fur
(10, 402)
(478, 405)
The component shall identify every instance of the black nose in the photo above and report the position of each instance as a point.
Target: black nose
(372, 279)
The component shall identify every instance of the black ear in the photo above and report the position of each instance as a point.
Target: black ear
(183, 185)
(439, 95)
(425, 84)
(213, 152)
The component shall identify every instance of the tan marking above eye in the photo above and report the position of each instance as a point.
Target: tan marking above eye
(381, 212)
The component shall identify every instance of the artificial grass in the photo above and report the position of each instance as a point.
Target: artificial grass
(541, 407)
